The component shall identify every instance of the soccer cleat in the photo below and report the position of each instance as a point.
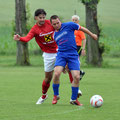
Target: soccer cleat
(55, 98)
(41, 100)
(79, 93)
(82, 73)
(75, 102)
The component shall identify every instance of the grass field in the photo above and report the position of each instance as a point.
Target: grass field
(20, 88)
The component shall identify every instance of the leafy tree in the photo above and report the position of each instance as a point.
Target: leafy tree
(94, 52)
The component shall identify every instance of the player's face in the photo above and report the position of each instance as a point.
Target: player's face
(40, 19)
(75, 20)
(56, 23)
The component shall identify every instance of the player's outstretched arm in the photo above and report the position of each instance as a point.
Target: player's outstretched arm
(94, 36)
(16, 37)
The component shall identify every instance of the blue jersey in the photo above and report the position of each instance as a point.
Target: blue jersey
(65, 37)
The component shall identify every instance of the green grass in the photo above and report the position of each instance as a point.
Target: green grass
(20, 88)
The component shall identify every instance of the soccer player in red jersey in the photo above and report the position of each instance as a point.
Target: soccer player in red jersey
(43, 31)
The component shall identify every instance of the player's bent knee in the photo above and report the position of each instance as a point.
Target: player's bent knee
(57, 74)
(48, 79)
(77, 77)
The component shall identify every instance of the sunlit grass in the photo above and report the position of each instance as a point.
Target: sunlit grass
(20, 88)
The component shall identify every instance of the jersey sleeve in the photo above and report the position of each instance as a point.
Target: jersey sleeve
(29, 36)
(74, 26)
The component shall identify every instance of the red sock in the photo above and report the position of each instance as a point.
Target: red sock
(45, 87)
(70, 77)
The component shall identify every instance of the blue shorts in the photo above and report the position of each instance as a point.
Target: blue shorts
(71, 59)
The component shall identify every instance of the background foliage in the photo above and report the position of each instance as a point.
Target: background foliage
(108, 18)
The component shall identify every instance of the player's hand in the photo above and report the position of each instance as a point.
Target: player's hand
(83, 53)
(16, 37)
(94, 36)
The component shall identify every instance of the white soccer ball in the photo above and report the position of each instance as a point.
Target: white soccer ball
(96, 101)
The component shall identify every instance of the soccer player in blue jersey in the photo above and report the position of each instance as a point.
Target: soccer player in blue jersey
(67, 54)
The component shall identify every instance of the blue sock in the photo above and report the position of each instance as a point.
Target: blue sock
(74, 93)
(56, 89)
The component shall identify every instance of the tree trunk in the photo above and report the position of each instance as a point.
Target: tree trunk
(22, 48)
(94, 56)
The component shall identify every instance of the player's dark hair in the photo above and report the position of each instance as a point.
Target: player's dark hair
(53, 17)
(40, 11)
